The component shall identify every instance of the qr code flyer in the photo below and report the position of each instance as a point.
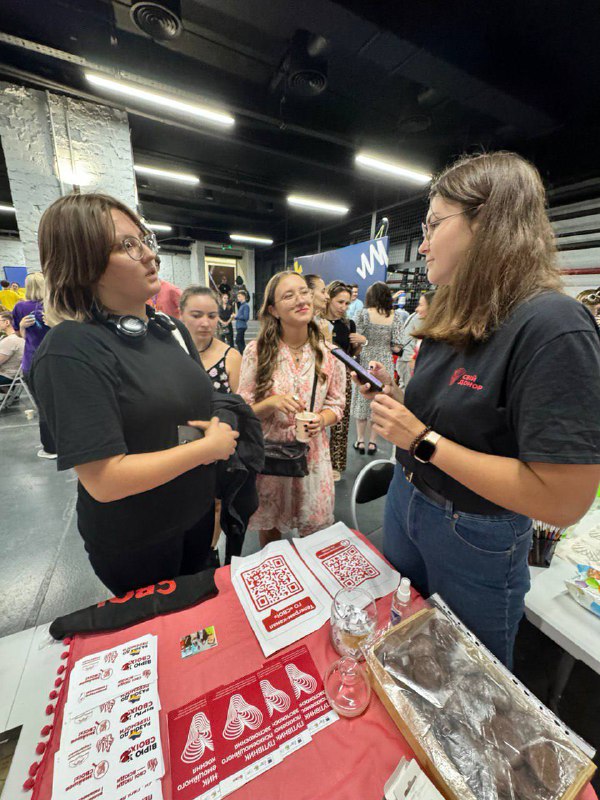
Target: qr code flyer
(280, 597)
(342, 560)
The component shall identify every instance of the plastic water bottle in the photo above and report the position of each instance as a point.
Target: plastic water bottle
(400, 602)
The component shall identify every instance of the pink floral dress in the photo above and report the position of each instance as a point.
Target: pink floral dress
(302, 503)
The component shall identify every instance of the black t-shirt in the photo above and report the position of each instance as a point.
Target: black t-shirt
(104, 396)
(531, 392)
(341, 333)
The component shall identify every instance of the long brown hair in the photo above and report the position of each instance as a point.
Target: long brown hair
(75, 237)
(269, 335)
(512, 256)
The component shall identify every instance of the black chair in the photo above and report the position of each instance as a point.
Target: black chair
(371, 483)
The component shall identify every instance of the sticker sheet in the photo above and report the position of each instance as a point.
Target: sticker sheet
(307, 686)
(194, 773)
(280, 597)
(103, 675)
(341, 560)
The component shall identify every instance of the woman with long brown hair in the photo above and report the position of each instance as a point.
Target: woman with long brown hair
(344, 336)
(116, 381)
(279, 371)
(500, 422)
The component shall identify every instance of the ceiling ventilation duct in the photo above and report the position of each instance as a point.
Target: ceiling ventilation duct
(159, 20)
(304, 66)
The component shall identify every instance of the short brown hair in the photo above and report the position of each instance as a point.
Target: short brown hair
(512, 256)
(7, 315)
(75, 237)
(379, 296)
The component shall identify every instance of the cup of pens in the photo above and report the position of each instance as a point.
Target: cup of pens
(543, 544)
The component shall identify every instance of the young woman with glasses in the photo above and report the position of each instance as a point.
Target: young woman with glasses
(114, 383)
(277, 376)
(500, 422)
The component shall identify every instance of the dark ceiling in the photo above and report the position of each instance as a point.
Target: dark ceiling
(417, 82)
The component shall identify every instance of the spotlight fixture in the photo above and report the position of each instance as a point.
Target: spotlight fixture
(8, 209)
(316, 204)
(388, 167)
(158, 226)
(167, 174)
(244, 237)
(137, 92)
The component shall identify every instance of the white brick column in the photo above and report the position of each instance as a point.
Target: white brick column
(52, 143)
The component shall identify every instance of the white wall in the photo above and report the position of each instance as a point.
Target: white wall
(176, 268)
(11, 253)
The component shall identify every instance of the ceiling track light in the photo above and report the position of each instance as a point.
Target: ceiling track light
(243, 237)
(389, 168)
(8, 209)
(314, 204)
(137, 92)
(159, 227)
(166, 174)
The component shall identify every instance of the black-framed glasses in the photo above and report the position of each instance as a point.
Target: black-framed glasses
(134, 247)
(429, 228)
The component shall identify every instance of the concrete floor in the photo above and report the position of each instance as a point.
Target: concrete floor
(44, 571)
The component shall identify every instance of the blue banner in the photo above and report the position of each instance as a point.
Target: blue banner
(362, 263)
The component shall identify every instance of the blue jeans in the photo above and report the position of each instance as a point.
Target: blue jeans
(476, 563)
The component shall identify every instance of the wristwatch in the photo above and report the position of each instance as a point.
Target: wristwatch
(425, 449)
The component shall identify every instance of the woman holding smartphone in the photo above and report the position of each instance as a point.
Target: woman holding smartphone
(279, 371)
(499, 423)
(115, 381)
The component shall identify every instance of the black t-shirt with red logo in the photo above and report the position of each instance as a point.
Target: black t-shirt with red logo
(531, 392)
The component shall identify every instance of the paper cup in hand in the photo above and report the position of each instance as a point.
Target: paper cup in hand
(302, 419)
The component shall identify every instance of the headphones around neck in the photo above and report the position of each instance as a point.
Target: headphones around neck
(128, 326)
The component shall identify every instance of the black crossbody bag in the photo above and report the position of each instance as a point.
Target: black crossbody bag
(288, 459)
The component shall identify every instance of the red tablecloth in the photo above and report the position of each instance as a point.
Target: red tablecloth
(349, 760)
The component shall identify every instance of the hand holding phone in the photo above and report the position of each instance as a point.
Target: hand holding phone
(363, 375)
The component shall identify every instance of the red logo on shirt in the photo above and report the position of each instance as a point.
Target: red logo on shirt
(470, 381)
(458, 373)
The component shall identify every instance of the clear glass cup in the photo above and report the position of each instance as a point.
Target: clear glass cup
(353, 621)
(347, 688)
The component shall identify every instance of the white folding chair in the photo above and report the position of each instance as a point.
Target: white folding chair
(15, 389)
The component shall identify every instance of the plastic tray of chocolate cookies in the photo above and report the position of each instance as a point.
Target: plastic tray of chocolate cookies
(474, 728)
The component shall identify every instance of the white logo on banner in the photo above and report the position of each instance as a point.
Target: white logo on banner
(239, 716)
(199, 738)
(275, 699)
(378, 254)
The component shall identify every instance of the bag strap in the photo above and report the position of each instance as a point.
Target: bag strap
(314, 392)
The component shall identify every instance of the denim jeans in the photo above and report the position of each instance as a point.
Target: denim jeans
(476, 563)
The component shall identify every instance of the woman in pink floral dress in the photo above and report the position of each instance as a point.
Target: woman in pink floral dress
(276, 379)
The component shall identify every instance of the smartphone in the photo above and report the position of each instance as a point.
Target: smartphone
(187, 433)
(363, 375)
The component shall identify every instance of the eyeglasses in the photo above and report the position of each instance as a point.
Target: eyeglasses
(290, 297)
(134, 247)
(429, 228)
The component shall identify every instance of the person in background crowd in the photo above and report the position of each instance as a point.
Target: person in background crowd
(12, 347)
(241, 320)
(382, 329)
(8, 297)
(240, 286)
(224, 287)
(278, 373)
(199, 308)
(356, 305)
(145, 506)
(29, 320)
(425, 300)
(320, 299)
(500, 421)
(591, 299)
(226, 315)
(168, 296)
(20, 290)
(345, 337)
